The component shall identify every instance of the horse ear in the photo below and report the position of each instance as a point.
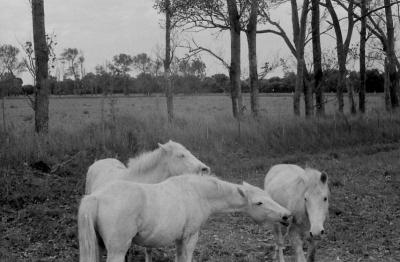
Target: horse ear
(241, 192)
(163, 147)
(324, 177)
(245, 183)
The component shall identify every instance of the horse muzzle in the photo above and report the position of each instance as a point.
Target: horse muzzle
(204, 170)
(286, 220)
(316, 234)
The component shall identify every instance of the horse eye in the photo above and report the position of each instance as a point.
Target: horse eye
(325, 199)
(305, 199)
(259, 203)
(181, 156)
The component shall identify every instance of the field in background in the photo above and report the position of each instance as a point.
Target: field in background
(361, 156)
(75, 112)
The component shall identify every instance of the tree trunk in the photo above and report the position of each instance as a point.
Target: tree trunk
(41, 105)
(252, 46)
(350, 92)
(126, 89)
(363, 40)
(299, 35)
(167, 62)
(3, 108)
(308, 93)
(298, 88)
(316, 43)
(386, 87)
(342, 47)
(234, 72)
(340, 87)
(391, 54)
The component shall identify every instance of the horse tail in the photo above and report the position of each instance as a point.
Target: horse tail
(88, 245)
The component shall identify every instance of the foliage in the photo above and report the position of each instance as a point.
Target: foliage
(143, 63)
(74, 58)
(9, 62)
(121, 64)
(29, 61)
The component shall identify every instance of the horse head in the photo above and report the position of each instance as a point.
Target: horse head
(261, 207)
(179, 160)
(316, 200)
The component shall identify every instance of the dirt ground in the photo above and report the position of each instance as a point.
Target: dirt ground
(38, 221)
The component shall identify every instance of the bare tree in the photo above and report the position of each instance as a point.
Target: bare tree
(316, 43)
(29, 64)
(251, 33)
(391, 56)
(231, 15)
(42, 57)
(299, 24)
(363, 40)
(377, 24)
(167, 61)
(342, 47)
(234, 69)
(170, 9)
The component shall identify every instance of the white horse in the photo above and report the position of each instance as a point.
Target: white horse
(163, 214)
(170, 159)
(305, 193)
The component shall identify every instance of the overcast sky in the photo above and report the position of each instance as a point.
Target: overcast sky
(103, 28)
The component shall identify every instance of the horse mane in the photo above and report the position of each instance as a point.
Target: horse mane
(217, 187)
(144, 162)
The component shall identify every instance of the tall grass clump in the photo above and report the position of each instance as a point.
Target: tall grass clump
(209, 138)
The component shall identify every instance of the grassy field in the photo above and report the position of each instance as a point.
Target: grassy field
(361, 156)
(73, 112)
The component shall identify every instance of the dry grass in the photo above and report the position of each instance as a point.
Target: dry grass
(360, 155)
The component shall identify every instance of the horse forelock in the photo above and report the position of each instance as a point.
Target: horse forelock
(314, 180)
(174, 146)
(145, 161)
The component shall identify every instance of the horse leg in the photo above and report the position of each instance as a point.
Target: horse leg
(117, 244)
(185, 248)
(148, 255)
(117, 251)
(129, 254)
(116, 257)
(278, 253)
(297, 242)
(191, 245)
(311, 249)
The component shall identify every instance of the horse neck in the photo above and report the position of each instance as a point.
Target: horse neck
(150, 168)
(225, 198)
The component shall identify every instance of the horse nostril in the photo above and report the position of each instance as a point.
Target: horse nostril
(322, 232)
(311, 235)
(285, 218)
(205, 170)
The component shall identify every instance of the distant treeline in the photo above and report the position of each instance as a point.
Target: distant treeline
(187, 84)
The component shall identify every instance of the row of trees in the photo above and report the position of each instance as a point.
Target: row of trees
(376, 20)
(237, 16)
(147, 83)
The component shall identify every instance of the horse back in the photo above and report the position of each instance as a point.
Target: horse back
(286, 184)
(102, 172)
